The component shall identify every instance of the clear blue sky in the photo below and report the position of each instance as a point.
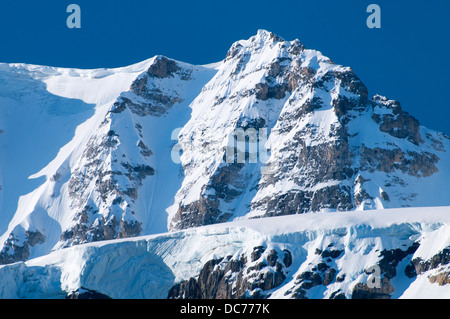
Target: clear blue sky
(408, 59)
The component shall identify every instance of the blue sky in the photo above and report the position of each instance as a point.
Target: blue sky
(407, 59)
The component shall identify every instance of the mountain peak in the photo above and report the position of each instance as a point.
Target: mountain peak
(263, 38)
(264, 34)
(266, 44)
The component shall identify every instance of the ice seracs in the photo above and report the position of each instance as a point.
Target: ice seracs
(323, 255)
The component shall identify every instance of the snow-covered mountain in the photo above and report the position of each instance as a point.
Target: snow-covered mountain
(156, 148)
(331, 146)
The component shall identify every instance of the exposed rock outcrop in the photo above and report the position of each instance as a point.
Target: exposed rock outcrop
(387, 270)
(243, 276)
(439, 263)
(84, 293)
(17, 249)
(322, 273)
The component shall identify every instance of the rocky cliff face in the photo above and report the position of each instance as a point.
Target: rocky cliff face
(249, 275)
(106, 183)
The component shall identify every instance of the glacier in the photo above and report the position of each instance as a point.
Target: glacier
(148, 266)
